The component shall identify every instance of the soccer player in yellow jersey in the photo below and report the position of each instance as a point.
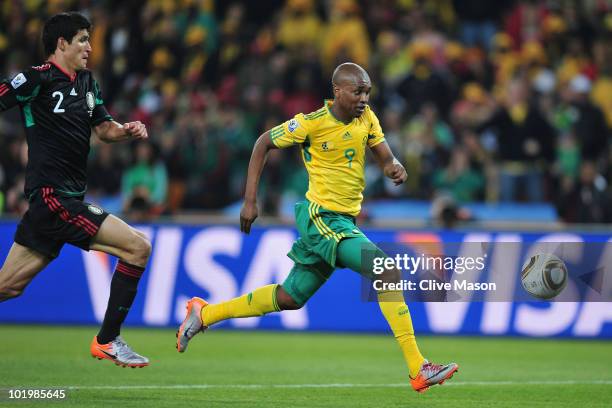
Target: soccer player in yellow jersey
(333, 141)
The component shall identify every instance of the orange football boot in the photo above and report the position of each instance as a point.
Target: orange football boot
(118, 352)
(432, 374)
(192, 324)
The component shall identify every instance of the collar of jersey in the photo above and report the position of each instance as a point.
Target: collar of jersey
(328, 103)
(71, 77)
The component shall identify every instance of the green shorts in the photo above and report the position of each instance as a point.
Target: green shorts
(315, 251)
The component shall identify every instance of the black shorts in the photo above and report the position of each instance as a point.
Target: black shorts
(53, 220)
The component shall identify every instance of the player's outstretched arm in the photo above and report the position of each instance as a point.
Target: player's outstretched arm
(112, 132)
(390, 166)
(249, 211)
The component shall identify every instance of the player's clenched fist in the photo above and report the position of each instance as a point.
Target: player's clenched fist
(248, 213)
(396, 172)
(136, 129)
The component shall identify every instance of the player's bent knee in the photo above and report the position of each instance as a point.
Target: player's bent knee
(146, 247)
(139, 250)
(143, 249)
(139, 233)
(290, 304)
(285, 301)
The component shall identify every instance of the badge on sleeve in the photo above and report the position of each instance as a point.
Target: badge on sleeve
(19, 80)
(292, 125)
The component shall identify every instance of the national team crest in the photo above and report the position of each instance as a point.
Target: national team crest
(91, 102)
(327, 146)
(94, 209)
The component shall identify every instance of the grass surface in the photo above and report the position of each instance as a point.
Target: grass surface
(269, 369)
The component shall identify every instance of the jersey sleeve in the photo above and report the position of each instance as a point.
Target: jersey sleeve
(293, 131)
(99, 113)
(20, 90)
(375, 135)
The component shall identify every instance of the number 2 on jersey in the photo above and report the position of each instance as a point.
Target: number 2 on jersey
(57, 108)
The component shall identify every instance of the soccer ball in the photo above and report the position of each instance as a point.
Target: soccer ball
(544, 276)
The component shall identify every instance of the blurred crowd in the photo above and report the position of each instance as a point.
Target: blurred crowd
(481, 100)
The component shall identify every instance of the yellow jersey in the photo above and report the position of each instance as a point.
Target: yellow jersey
(333, 153)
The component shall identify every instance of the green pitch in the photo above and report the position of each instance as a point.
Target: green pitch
(264, 369)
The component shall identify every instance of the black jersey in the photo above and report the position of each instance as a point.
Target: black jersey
(58, 112)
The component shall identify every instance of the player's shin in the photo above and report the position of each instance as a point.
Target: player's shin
(397, 314)
(123, 291)
(256, 303)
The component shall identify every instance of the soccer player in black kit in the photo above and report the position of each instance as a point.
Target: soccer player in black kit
(61, 103)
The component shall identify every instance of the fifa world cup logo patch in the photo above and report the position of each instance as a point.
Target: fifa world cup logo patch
(293, 124)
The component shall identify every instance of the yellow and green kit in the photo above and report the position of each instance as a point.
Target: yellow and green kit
(334, 155)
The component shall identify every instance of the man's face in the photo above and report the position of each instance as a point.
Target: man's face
(78, 50)
(353, 96)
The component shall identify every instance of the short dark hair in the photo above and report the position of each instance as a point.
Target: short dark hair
(65, 25)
